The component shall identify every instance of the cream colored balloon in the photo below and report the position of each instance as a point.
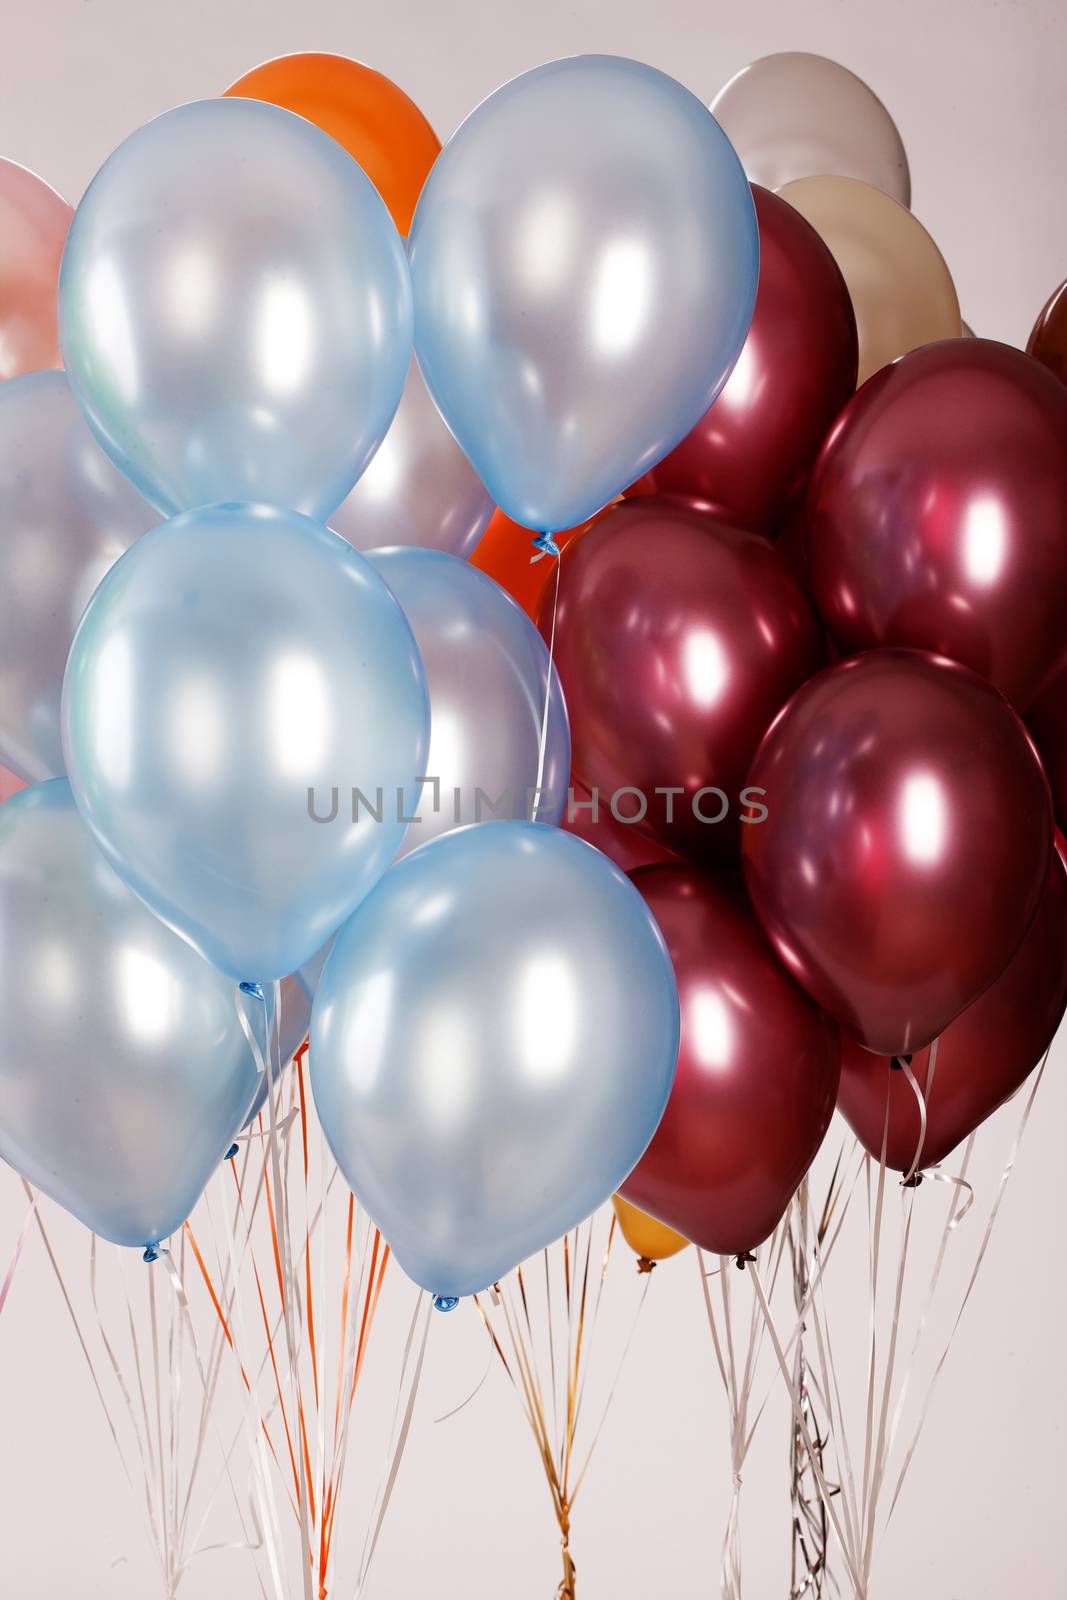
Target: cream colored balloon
(902, 291)
(795, 115)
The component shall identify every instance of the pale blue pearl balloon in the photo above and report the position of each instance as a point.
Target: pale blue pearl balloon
(236, 671)
(489, 680)
(235, 310)
(584, 258)
(492, 1045)
(124, 1071)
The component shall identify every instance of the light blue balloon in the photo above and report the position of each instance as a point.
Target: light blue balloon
(584, 258)
(492, 1045)
(244, 718)
(235, 310)
(488, 675)
(124, 1071)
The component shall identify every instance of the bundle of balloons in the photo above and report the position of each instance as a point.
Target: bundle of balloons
(752, 827)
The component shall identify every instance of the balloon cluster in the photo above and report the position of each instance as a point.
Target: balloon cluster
(286, 743)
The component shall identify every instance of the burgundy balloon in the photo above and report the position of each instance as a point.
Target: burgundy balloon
(906, 843)
(1047, 722)
(757, 1071)
(620, 840)
(937, 513)
(678, 637)
(1048, 336)
(753, 449)
(982, 1057)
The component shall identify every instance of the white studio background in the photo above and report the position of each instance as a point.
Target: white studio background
(976, 87)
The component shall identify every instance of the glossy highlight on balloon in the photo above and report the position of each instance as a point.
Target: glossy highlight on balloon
(982, 1057)
(754, 446)
(66, 515)
(488, 678)
(584, 260)
(124, 1072)
(937, 513)
(679, 635)
(492, 1045)
(419, 489)
(239, 675)
(797, 115)
(757, 1071)
(235, 310)
(369, 116)
(901, 289)
(906, 842)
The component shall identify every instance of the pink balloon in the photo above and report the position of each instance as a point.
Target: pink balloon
(906, 842)
(9, 784)
(33, 230)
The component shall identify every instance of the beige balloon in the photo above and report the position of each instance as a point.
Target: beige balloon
(795, 115)
(902, 291)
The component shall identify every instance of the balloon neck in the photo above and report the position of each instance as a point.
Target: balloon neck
(741, 1260)
(545, 545)
(898, 1063)
(231, 1152)
(644, 1264)
(445, 1302)
(913, 1182)
(254, 989)
(152, 1252)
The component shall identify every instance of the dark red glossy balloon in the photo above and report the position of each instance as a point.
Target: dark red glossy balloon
(1048, 337)
(982, 1057)
(615, 837)
(757, 1071)
(906, 842)
(1047, 722)
(678, 637)
(753, 449)
(937, 513)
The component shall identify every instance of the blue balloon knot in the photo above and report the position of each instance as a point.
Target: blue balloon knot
(254, 989)
(445, 1302)
(545, 545)
(231, 1152)
(152, 1252)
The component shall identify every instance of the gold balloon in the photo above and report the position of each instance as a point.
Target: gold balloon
(651, 1241)
(902, 291)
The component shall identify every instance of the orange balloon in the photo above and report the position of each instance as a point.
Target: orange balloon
(363, 110)
(650, 1241)
(505, 552)
(33, 230)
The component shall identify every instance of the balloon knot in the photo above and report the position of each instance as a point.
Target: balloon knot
(913, 1182)
(742, 1258)
(231, 1152)
(445, 1302)
(545, 545)
(152, 1252)
(899, 1062)
(254, 989)
(644, 1264)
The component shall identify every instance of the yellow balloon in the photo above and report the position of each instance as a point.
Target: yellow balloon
(651, 1241)
(902, 291)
